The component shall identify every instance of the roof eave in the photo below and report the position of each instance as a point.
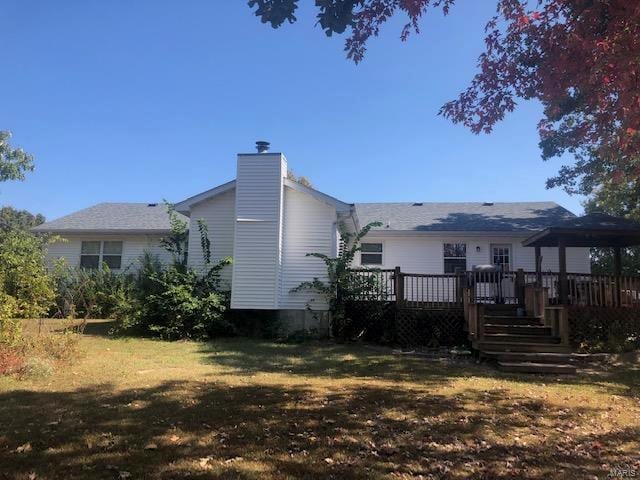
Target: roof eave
(185, 206)
(436, 233)
(339, 205)
(594, 237)
(95, 231)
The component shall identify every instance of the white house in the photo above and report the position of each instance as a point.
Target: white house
(268, 224)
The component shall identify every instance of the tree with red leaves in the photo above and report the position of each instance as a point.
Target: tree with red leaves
(579, 58)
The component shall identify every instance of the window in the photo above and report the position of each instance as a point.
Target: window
(455, 257)
(90, 255)
(501, 257)
(371, 254)
(94, 253)
(112, 254)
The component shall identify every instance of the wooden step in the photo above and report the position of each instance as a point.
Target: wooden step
(531, 367)
(507, 309)
(532, 357)
(511, 320)
(537, 330)
(508, 338)
(533, 347)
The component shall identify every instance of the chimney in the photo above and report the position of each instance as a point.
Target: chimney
(257, 248)
(262, 146)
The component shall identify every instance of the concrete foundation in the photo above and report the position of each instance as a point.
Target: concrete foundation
(315, 322)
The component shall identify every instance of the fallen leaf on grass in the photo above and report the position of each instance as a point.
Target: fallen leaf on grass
(24, 448)
(233, 459)
(388, 449)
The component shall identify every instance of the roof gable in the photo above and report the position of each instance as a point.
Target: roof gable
(339, 205)
(184, 206)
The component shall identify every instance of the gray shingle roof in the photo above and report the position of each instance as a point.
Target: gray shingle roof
(113, 217)
(591, 230)
(463, 217)
(598, 221)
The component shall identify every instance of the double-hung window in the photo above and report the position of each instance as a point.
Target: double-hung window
(455, 257)
(95, 253)
(371, 253)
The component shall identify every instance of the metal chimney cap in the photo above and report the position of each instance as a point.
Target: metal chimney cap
(262, 146)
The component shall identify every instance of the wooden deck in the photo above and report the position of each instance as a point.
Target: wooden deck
(513, 317)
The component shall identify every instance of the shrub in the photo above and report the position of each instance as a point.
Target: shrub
(26, 290)
(89, 293)
(341, 285)
(10, 327)
(36, 367)
(10, 332)
(62, 347)
(11, 360)
(177, 302)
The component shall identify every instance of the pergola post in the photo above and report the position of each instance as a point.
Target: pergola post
(538, 267)
(617, 271)
(592, 230)
(617, 261)
(563, 284)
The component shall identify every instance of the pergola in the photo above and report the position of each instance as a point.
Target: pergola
(592, 230)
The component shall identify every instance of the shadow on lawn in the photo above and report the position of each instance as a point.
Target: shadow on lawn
(347, 361)
(215, 430)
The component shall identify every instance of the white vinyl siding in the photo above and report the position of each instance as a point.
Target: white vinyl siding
(309, 227)
(218, 213)
(423, 254)
(133, 247)
(259, 192)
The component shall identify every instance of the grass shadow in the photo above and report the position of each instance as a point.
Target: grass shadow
(329, 360)
(199, 430)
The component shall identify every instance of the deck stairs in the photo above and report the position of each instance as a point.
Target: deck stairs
(521, 343)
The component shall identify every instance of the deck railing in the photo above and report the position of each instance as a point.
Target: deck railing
(447, 290)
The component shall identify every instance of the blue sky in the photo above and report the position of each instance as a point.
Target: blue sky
(145, 100)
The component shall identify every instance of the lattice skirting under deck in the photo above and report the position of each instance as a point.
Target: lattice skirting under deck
(603, 326)
(386, 322)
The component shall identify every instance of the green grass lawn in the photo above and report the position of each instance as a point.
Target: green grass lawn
(137, 408)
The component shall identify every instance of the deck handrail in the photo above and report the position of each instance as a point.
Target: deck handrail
(446, 289)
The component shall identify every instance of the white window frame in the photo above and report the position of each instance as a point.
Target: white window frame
(445, 258)
(502, 245)
(381, 253)
(101, 254)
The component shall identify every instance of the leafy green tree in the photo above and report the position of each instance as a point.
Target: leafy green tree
(620, 198)
(14, 219)
(24, 281)
(14, 162)
(302, 180)
(341, 283)
(578, 58)
(177, 241)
